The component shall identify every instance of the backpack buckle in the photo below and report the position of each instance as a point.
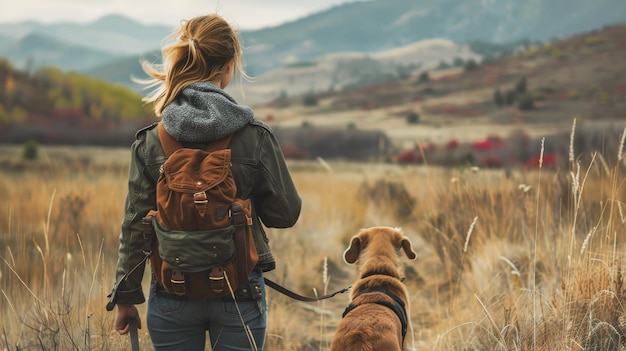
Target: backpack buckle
(148, 232)
(178, 282)
(216, 279)
(201, 201)
(237, 216)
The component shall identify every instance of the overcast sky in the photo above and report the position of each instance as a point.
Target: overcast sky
(245, 14)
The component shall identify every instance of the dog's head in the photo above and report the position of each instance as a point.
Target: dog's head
(377, 250)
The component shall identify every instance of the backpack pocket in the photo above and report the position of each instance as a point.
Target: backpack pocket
(195, 251)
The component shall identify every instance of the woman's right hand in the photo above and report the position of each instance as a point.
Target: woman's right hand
(122, 314)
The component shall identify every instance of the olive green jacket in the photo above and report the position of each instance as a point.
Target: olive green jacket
(260, 173)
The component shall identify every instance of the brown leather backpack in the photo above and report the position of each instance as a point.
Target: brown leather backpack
(201, 234)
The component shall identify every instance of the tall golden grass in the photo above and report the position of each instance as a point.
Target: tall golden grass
(507, 260)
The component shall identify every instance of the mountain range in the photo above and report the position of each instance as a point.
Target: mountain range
(110, 47)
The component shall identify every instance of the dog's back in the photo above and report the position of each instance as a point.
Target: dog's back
(370, 328)
(354, 340)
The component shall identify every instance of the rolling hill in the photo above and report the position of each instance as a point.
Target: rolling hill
(580, 78)
(39, 50)
(346, 70)
(114, 34)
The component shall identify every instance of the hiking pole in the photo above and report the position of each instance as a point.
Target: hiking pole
(134, 334)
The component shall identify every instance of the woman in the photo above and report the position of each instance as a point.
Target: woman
(195, 110)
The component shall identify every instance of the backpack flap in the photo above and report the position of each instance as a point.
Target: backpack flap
(193, 170)
(194, 189)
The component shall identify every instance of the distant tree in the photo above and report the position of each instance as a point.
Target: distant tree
(4, 115)
(458, 62)
(310, 99)
(413, 118)
(498, 98)
(509, 97)
(30, 151)
(470, 65)
(525, 102)
(443, 65)
(9, 89)
(521, 86)
(17, 114)
(424, 77)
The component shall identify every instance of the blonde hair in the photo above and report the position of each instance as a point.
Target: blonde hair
(203, 48)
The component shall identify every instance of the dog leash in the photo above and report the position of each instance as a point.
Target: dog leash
(134, 334)
(281, 289)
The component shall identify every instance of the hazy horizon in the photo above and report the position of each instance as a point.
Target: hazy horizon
(246, 14)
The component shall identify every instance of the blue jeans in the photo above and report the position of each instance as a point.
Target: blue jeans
(180, 324)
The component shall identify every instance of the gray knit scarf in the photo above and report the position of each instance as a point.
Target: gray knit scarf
(203, 112)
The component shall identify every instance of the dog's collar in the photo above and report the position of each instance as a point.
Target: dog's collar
(397, 306)
(388, 274)
(373, 273)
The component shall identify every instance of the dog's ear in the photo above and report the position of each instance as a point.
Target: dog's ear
(408, 248)
(352, 252)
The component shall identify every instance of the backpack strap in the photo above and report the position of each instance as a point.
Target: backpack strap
(170, 144)
(240, 221)
(219, 144)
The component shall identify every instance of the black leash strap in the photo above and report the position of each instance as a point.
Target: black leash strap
(281, 289)
(134, 334)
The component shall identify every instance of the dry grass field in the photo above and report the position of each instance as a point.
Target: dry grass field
(506, 260)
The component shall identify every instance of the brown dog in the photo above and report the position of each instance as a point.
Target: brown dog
(377, 318)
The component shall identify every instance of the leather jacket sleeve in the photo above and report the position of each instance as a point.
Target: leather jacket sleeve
(140, 198)
(276, 199)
